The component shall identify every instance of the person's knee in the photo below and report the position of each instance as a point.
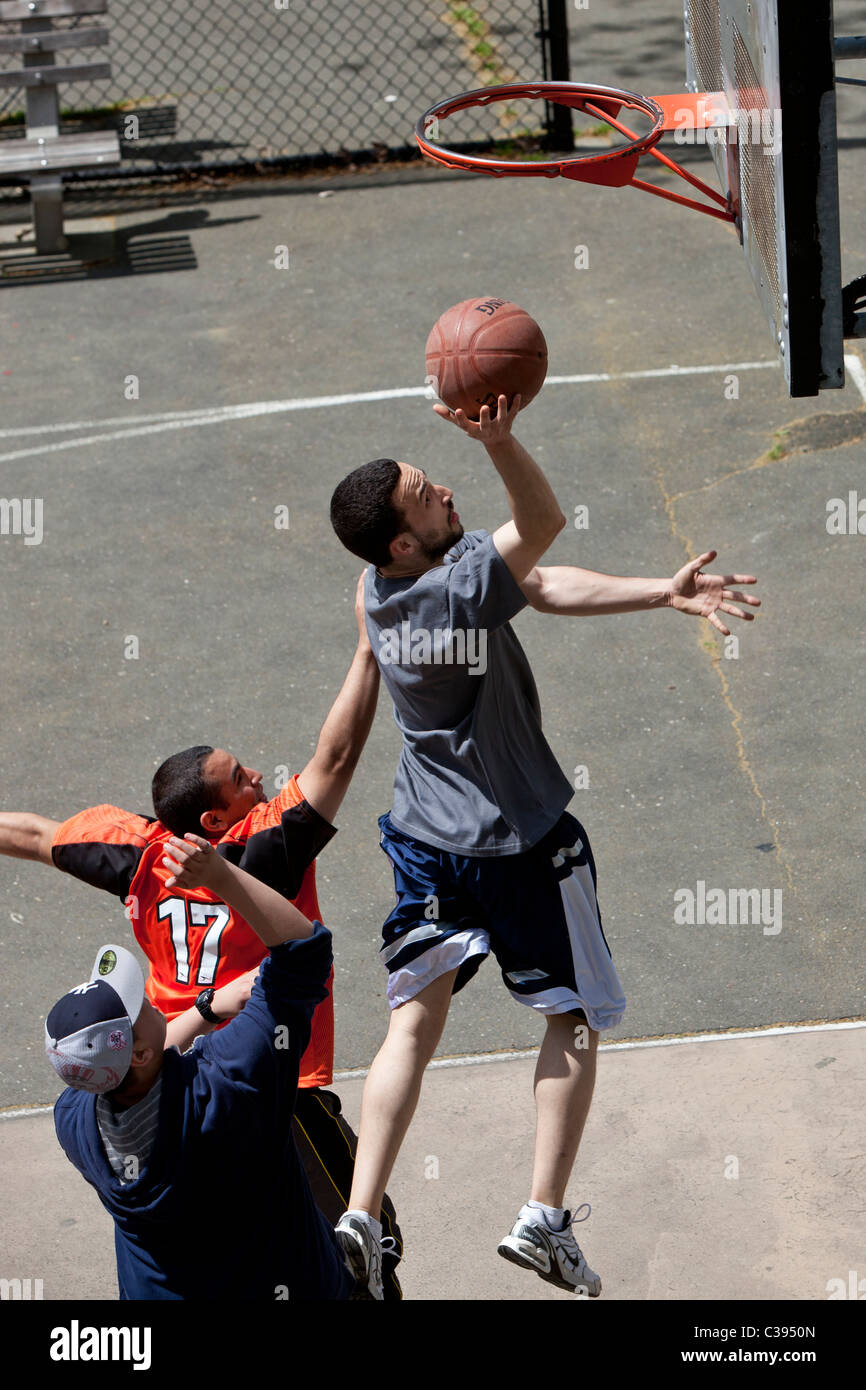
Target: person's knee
(420, 1021)
(417, 1028)
(573, 1029)
(587, 1037)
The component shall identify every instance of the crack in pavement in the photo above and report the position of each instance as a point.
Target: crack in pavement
(803, 436)
(736, 715)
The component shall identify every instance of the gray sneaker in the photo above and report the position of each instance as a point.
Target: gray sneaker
(554, 1255)
(363, 1254)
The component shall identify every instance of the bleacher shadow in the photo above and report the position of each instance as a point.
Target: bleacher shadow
(147, 248)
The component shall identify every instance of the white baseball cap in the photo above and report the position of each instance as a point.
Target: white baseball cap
(88, 1033)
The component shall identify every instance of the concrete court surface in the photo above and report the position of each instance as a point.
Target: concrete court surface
(701, 769)
(736, 772)
(723, 1169)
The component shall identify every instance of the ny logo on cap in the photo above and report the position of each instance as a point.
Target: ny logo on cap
(82, 989)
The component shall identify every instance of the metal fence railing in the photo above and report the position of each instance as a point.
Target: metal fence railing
(243, 83)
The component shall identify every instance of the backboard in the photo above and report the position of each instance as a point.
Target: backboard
(773, 60)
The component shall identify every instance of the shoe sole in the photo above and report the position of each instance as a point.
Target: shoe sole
(354, 1254)
(515, 1258)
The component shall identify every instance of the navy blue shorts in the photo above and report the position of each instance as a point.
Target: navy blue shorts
(537, 912)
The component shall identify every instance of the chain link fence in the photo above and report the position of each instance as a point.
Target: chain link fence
(198, 86)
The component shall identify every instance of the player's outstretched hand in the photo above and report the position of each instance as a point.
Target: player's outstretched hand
(487, 429)
(192, 861)
(707, 595)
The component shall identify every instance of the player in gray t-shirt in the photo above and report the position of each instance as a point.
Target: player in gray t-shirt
(476, 775)
(485, 856)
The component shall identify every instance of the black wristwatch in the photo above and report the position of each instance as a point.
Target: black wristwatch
(203, 1004)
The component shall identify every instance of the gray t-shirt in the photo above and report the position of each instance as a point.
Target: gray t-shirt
(475, 776)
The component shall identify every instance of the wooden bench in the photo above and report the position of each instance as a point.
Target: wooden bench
(44, 154)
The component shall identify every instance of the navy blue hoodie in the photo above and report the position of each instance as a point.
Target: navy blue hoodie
(222, 1209)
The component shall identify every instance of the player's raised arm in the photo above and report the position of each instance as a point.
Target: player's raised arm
(27, 836)
(537, 516)
(227, 1003)
(195, 863)
(573, 592)
(325, 780)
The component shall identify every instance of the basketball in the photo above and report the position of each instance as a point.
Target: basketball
(481, 349)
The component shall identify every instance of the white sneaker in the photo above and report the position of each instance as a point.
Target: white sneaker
(364, 1255)
(554, 1255)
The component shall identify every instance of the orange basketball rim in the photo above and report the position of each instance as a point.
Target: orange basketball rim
(615, 168)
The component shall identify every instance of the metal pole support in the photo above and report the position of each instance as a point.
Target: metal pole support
(43, 120)
(554, 34)
(46, 195)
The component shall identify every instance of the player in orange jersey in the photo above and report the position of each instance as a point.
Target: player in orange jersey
(196, 944)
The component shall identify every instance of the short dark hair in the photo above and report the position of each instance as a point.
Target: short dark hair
(181, 791)
(362, 513)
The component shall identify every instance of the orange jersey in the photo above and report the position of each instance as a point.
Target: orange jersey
(191, 939)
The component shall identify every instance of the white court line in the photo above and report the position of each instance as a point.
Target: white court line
(25, 1111)
(480, 1059)
(216, 415)
(673, 370)
(190, 419)
(224, 412)
(855, 369)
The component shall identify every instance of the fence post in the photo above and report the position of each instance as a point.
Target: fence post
(554, 38)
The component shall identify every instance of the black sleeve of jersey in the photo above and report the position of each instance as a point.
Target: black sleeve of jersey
(107, 866)
(281, 854)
